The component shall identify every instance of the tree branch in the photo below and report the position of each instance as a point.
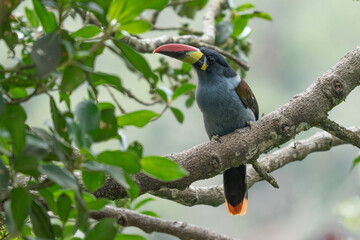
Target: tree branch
(246, 145)
(340, 132)
(214, 195)
(182, 230)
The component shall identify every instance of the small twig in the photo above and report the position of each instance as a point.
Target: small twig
(340, 132)
(263, 174)
(131, 95)
(122, 110)
(18, 69)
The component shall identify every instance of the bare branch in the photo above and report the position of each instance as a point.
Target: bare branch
(182, 230)
(213, 11)
(246, 145)
(214, 195)
(341, 132)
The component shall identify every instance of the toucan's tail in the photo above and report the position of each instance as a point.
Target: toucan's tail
(235, 190)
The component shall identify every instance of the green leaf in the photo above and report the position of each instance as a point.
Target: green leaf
(142, 202)
(137, 118)
(224, 30)
(20, 206)
(178, 114)
(49, 198)
(40, 221)
(115, 172)
(245, 6)
(2, 103)
(47, 19)
(97, 204)
(239, 23)
(136, 60)
(129, 237)
(58, 120)
(32, 18)
(162, 94)
(136, 26)
(115, 9)
(88, 115)
(14, 118)
(262, 15)
(4, 176)
(136, 148)
(125, 160)
(18, 92)
(86, 32)
(108, 126)
(93, 180)
(101, 78)
(150, 213)
(133, 189)
(105, 229)
(162, 168)
(182, 90)
(27, 165)
(64, 206)
(355, 162)
(72, 78)
(60, 175)
(36, 147)
(46, 53)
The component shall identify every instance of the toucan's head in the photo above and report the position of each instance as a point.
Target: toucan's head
(205, 60)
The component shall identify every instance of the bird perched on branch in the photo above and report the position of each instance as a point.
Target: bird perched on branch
(227, 104)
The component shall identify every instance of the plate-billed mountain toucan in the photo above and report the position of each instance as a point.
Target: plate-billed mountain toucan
(227, 104)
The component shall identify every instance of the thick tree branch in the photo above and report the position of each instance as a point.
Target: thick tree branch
(246, 145)
(182, 230)
(214, 195)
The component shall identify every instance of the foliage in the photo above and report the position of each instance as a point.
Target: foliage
(53, 61)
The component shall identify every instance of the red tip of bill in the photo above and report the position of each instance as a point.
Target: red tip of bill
(175, 48)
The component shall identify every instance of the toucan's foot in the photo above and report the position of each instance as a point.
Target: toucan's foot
(249, 124)
(216, 138)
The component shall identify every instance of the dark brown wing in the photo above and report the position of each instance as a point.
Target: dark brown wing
(247, 97)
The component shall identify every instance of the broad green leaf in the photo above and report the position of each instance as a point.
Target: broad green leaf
(18, 92)
(178, 114)
(117, 173)
(106, 105)
(162, 168)
(97, 204)
(49, 198)
(47, 19)
(32, 18)
(4, 176)
(10, 38)
(60, 175)
(2, 104)
(136, 60)
(36, 147)
(9, 221)
(20, 206)
(105, 229)
(136, 148)
(87, 32)
(137, 118)
(58, 120)
(355, 162)
(182, 90)
(14, 118)
(63, 206)
(108, 126)
(239, 23)
(133, 189)
(88, 115)
(93, 180)
(162, 94)
(115, 9)
(46, 53)
(125, 160)
(136, 26)
(142, 202)
(224, 30)
(129, 237)
(72, 78)
(101, 78)
(27, 165)
(40, 221)
(262, 15)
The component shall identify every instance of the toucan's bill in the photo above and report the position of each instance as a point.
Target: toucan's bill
(184, 53)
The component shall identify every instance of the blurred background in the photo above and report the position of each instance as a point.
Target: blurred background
(319, 196)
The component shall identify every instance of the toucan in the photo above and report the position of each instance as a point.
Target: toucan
(226, 102)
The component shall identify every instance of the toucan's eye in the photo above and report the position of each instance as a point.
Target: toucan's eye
(210, 59)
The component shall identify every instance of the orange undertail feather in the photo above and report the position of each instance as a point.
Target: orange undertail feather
(239, 209)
